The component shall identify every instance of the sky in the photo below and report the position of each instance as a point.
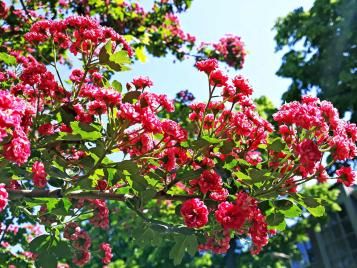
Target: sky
(209, 20)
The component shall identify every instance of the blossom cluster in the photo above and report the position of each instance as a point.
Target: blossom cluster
(323, 131)
(229, 49)
(82, 243)
(3, 197)
(87, 34)
(15, 123)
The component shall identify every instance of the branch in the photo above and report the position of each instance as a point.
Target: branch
(90, 194)
(25, 9)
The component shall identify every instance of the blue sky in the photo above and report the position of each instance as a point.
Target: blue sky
(209, 20)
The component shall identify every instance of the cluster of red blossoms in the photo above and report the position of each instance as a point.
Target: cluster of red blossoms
(323, 131)
(87, 34)
(308, 129)
(229, 49)
(82, 243)
(3, 197)
(15, 122)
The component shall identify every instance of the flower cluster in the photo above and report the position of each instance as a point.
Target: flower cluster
(3, 197)
(195, 213)
(229, 49)
(319, 123)
(80, 241)
(107, 253)
(39, 174)
(87, 34)
(15, 121)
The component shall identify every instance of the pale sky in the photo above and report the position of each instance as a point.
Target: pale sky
(209, 20)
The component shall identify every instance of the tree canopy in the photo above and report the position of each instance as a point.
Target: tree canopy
(320, 52)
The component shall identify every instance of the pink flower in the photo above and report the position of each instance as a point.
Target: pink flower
(83, 241)
(346, 176)
(46, 129)
(209, 181)
(39, 174)
(107, 253)
(194, 213)
(217, 78)
(242, 85)
(81, 257)
(3, 197)
(142, 82)
(18, 150)
(207, 66)
(309, 153)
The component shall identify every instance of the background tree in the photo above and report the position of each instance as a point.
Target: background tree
(320, 47)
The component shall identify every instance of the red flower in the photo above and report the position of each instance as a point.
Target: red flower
(242, 85)
(230, 216)
(18, 150)
(71, 231)
(217, 78)
(346, 176)
(207, 66)
(209, 181)
(194, 213)
(142, 82)
(81, 257)
(39, 174)
(83, 241)
(107, 253)
(46, 129)
(3, 197)
(309, 153)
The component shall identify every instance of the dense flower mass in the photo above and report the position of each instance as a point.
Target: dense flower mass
(195, 213)
(346, 176)
(3, 197)
(15, 122)
(87, 34)
(107, 253)
(229, 49)
(91, 139)
(39, 174)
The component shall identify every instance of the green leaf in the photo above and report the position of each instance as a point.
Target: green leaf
(7, 59)
(120, 57)
(86, 131)
(105, 53)
(117, 86)
(183, 243)
(241, 175)
(283, 204)
(39, 242)
(313, 205)
(188, 174)
(62, 249)
(292, 212)
(275, 219)
(227, 147)
(199, 144)
(147, 195)
(129, 166)
(277, 145)
(258, 175)
(211, 140)
(139, 183)
(131, 96)
(46, 260)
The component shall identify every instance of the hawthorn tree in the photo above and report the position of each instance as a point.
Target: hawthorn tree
(157, 31)
(67, 149)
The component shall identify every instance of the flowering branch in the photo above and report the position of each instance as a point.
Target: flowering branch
(89, 194)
